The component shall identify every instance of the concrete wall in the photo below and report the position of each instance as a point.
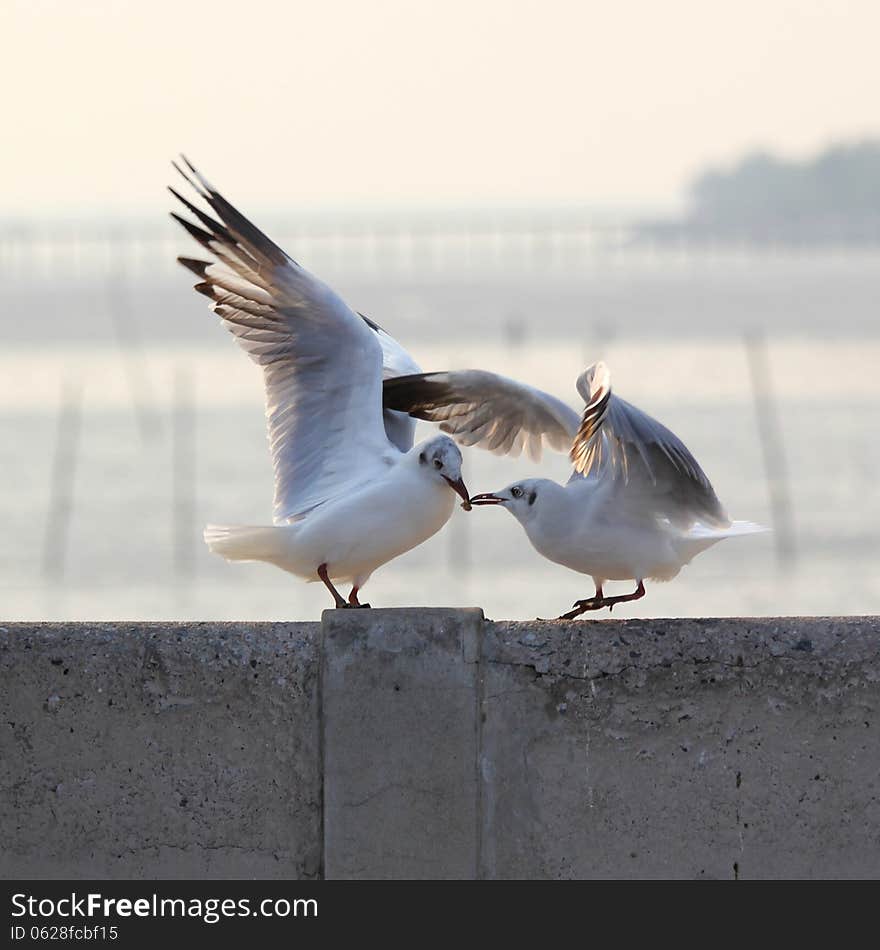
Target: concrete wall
(432, 743)
(159, 750)
(682, 748)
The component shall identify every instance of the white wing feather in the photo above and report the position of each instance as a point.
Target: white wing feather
(649, 463)
(487, 410)
(322, 364)
(400, 427)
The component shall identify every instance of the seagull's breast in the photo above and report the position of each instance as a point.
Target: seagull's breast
(368, 527)
(597, 541)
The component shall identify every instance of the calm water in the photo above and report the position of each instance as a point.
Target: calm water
(136, 346)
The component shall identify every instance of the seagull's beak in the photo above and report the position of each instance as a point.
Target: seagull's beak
(459, 488)
(487, 499)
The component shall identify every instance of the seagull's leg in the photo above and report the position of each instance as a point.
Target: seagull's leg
(353, 598)
(596, 602)
(637, 594)
(322, 573)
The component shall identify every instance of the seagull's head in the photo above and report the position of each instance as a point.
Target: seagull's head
(520, 499)
(440, 458)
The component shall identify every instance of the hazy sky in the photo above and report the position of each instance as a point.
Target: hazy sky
(386, 102)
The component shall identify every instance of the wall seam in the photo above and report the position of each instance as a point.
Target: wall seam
(322, 837)
(479, 700)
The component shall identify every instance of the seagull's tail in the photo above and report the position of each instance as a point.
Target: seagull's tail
(735, 528)
(246, 542)
(700, 537)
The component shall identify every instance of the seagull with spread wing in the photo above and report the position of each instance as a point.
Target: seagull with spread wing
(637, 504)
(351, 490)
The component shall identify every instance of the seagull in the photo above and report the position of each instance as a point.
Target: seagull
(637, 504)
(352, 491)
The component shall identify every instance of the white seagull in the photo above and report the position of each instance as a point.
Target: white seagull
(351, 490)
(637, 504)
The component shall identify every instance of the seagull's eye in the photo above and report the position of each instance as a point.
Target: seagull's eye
(438, 463)
(516, 492)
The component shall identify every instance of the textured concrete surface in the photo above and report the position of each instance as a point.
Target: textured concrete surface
(159, 750)
(400, 743)
(432, 743)
(682, 748)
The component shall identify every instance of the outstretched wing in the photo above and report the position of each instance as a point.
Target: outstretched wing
(616, 440)
(322, 363)
(487, 410)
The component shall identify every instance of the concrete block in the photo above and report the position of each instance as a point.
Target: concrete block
(399, 699)
(732, 748)
(159, 751)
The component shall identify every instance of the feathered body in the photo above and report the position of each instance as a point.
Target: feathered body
(580, 526)
(354, 536)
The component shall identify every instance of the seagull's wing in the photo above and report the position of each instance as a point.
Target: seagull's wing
(484, 409)
(322, 364)
(396, 361)
(651, 465)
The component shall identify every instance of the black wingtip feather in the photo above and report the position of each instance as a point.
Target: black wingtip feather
(418, 394)
(196, 266)
(370, 323)
(190, 166)
(235, 222)
(215, 226)
(206, 289)
(203, 237)
(199, 190)
(200, 178)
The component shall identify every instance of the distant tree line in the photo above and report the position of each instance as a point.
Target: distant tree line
(833, 197)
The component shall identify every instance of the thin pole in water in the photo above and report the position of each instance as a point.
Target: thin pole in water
(61, 496)
(131, 351)
(458, 532)
(183, 463)
(772, 447)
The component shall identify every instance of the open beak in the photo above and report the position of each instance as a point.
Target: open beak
(459, 488)
(487, 499)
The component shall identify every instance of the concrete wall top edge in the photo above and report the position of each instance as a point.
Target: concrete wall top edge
(402, 613)
(190, 634)
(578, 649)
(601, 648)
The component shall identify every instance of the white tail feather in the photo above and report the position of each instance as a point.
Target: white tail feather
(245, 542)
(700, 531)
(700, 537)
